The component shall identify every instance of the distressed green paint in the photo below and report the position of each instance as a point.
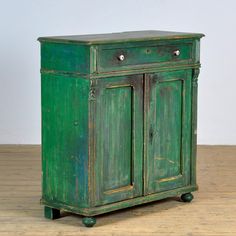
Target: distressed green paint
(168, 127)
(118, 139)
(143, 56)
(93, 211)
(118, 134)
(195, 74)
(65, 139)
(57, 57)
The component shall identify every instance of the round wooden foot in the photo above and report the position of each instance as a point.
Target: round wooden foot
(187, 197)
(89, 221)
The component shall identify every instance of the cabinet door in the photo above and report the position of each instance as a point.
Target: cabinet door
(167, 130)
(118, 136)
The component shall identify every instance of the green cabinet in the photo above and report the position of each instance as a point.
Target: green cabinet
(118, 120)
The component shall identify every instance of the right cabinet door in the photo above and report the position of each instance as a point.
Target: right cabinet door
(167, 130)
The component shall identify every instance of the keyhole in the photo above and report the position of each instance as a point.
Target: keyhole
(151, 134)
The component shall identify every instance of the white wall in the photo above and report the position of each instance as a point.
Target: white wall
(21, 22)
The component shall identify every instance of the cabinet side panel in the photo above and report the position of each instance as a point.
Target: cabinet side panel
(65, 139)
(65, 57)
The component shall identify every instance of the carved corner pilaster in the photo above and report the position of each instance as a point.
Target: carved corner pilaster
(92, 90)
(195, 76)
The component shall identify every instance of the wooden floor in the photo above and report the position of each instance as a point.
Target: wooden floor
(213, 211)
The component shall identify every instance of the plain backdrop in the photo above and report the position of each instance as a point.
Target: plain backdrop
(22, 22)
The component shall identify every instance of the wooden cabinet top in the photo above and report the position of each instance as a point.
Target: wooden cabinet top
(145, 35)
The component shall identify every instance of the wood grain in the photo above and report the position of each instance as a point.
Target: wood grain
(212, 212)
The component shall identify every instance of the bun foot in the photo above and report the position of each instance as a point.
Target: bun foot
(187, 197)
(89, 221)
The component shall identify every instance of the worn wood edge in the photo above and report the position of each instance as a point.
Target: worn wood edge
(194, 105)
(166, 67)
(146, 97)
(146, 44)
(129, 71)
(91, 147)
(95, 42)
(119, 205)
(93, 59)
(64, 73)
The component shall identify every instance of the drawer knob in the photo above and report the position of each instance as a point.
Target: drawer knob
(121, 57)
(176, 52)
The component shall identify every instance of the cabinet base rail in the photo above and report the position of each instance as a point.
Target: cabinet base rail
(52, 209)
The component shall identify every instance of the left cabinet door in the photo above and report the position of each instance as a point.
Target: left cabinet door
(118, 139)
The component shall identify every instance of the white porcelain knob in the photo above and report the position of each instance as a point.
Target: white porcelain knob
(121, 57)
(176, 52)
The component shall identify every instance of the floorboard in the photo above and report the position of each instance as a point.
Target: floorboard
(212, 212)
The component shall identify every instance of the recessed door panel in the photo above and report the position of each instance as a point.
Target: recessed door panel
(117, 124)
(118, 139)
(168, 122)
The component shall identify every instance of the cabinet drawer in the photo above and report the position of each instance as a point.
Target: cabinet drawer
(111, 59)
